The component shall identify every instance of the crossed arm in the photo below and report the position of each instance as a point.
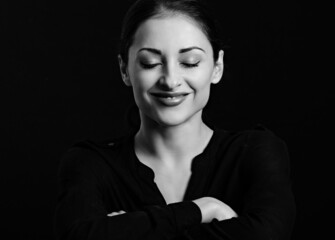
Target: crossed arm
(211, 208)
(268, 211)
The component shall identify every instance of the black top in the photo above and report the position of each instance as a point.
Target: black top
(248, 170)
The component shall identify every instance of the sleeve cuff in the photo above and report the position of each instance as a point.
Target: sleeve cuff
(186, 214)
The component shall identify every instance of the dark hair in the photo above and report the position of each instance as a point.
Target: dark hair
(142, 10)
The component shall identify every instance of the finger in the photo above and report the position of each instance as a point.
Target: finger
(112, 214)
(115, 213)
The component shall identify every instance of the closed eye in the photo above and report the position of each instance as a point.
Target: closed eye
(190, 65)
(149, 65)
(153, 65)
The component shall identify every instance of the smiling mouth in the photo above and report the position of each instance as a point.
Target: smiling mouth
(169, 95)
(170, 99)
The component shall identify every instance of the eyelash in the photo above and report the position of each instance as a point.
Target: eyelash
(185, 65)
(149, 66)
(190, 65)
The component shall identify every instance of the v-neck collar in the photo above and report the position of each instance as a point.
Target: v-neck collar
(199, 168)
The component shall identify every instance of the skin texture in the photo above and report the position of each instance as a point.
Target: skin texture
(173, 72)
(171, 54)
(212, 208)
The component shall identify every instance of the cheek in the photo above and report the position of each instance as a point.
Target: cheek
(142, 80)
(201, 80)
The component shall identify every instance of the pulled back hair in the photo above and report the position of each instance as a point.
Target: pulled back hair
(142, 10)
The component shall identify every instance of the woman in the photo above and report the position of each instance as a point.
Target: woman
(175, 178)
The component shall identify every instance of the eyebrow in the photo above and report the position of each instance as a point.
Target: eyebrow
(152, 50)
(190, 49)
(183, 50)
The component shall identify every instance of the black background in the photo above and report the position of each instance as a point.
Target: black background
(60, 84)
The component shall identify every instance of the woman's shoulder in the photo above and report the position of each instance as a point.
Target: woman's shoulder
(257, 137)
(257, 148)
(93, 154)
(112, 144)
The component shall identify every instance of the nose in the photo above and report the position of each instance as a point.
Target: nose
(170, 78)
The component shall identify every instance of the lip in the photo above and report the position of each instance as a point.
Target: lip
(170, 99)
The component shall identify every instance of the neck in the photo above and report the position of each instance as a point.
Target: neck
(172, 143)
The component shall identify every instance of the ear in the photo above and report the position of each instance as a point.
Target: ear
(124, 71)
(218, 68)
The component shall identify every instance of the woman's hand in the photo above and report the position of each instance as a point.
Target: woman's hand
(213, 208)
(115, 213)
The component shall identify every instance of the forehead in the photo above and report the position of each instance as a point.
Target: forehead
(173, 31)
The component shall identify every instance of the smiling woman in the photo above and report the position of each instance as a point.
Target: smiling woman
(170, 64)
(175, 178)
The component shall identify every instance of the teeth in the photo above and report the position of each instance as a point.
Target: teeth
(169, 97)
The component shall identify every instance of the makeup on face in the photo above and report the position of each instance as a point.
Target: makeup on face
(170, 67)
(149, 58)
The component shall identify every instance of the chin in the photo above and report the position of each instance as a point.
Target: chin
(169, 119)
(170, 122)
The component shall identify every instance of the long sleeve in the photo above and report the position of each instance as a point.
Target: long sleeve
(81, 211)
(268, 210)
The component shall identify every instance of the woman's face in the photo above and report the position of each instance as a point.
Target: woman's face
(170, 68)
